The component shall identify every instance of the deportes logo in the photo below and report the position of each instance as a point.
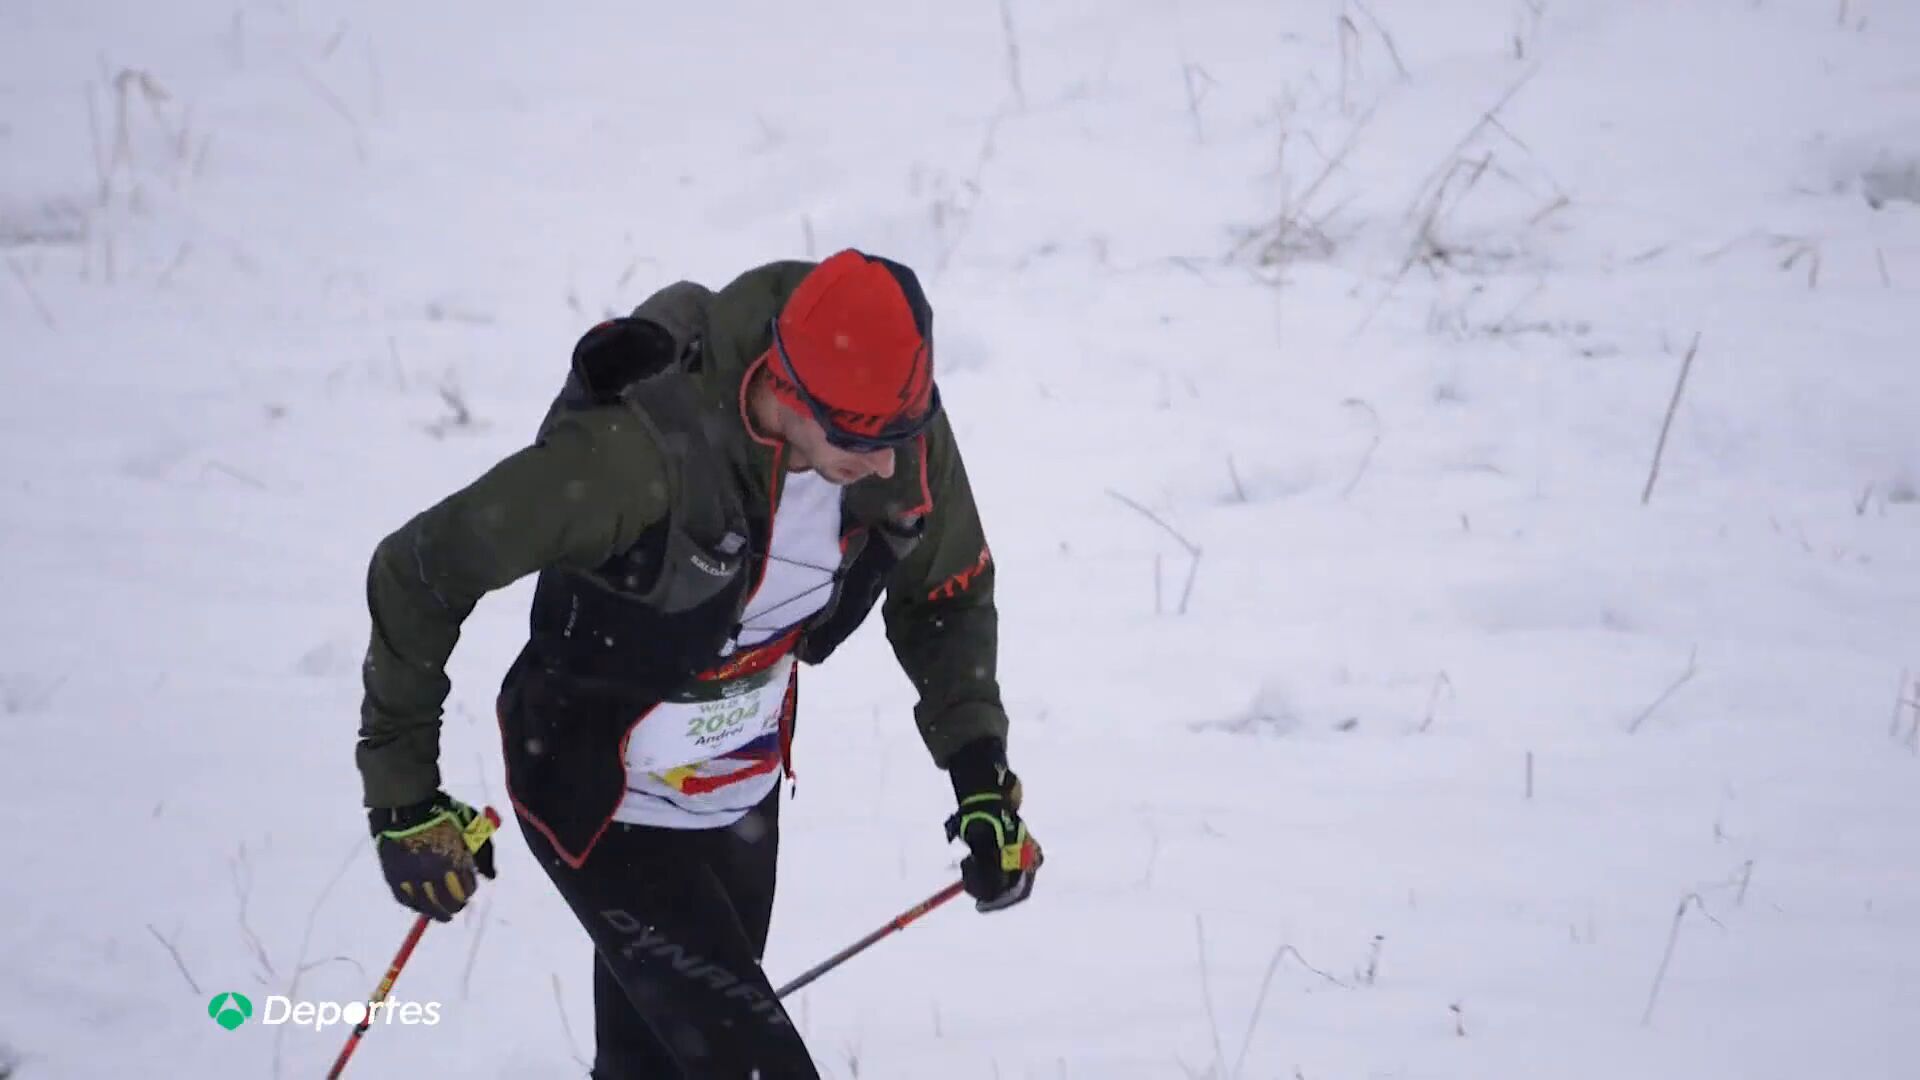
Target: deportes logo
(229, 1010)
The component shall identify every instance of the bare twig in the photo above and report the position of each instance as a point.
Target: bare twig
(1197, 83)
(1206, 993)
(393, 358)
(1560, 202)
(222, 467)
(1384, 37)
(313, 913)
(1529, 774)
(1723, 249)
(179, 260)
(1193, 572)
(1013, 53)
(1673, 939)
(1516, 140)
(102, 166)
(177, 961)
(359, 968)
(1440, 682)
(1372, 973)
(339, 107)
(1913, 733)
(237, 38)
(242, 873)
(1366, 459)
(1260, 1000)
(376, 82)
(565, 1027)
(1239, 489)
(122, 84)
(300, 966)
(1746, 878)
(1349, 40)
(1487, 118)
(1425, 243)
(1860, 505)
(973, 185)
(457, 403)
(1295, 953)
(1153, 853)
(1193, 549)
(1685, 676)
(1502, 324)
(33, 297)
(1880, 258)
(473, 953)
(1279, 240)
(1425, 246)
(1899, 699)
(1673, 406)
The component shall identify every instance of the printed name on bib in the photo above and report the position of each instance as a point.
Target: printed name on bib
(727, 717)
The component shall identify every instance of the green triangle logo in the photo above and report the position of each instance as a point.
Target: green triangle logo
(229, 1010)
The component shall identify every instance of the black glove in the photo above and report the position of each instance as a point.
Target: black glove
(680, 309)
(618, 353)
(429, 852)
(999, 871)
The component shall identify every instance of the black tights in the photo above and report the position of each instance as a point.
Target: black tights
(678, 919)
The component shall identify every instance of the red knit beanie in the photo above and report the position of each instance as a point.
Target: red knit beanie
(859, 334)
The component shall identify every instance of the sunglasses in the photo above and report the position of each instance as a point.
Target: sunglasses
(895, 434)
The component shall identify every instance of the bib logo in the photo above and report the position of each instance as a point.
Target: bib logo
(229, 1010)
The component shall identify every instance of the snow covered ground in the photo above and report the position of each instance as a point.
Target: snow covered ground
(1381, 307)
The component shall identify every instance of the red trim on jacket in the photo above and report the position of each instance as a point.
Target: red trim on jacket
(926, 490)
(570, 858)
(787, 708)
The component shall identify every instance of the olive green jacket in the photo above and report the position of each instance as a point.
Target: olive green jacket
(597, 478)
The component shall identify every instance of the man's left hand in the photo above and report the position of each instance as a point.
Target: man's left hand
(999, 870)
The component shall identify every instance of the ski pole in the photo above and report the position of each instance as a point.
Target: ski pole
(898, 922)
(477, 833)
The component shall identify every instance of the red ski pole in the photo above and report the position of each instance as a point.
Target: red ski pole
(476, 834)
(898, 922)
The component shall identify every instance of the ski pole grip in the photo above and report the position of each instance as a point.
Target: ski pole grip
(481, 828)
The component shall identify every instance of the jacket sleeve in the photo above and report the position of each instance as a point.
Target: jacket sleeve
(583, 492)
(939, 612)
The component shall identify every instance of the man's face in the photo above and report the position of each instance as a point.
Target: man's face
(809, 449)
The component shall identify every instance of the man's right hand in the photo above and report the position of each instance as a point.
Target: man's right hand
(430, 851)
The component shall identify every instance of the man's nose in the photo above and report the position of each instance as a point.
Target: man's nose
(881, 462)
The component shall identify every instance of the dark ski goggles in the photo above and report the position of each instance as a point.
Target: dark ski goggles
(897, 433)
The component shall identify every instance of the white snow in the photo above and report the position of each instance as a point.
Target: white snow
(313, 264)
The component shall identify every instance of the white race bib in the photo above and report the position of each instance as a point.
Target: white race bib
(727, 716)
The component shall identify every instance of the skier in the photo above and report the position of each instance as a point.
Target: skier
(725, 487)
